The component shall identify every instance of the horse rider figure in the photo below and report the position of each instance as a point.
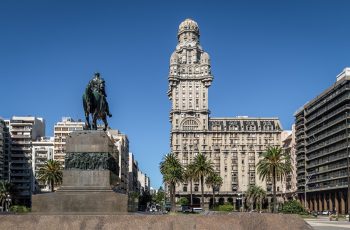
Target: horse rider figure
(95, 102)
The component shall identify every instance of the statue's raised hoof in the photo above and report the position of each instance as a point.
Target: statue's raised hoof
(110, 115)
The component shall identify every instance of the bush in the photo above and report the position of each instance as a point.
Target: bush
(19, 209)
(224, 208)
(293, 207)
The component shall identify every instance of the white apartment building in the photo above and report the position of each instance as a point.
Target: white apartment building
(61, 131)
(42, 151)
(23, 131)
(144, 182)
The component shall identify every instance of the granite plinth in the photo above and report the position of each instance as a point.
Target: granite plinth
(78, 180)
(89, 141)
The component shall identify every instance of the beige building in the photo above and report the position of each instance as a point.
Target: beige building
(61, 131)
(42, 151)
(144, 182)
(233, 144)
(23, 130)
(132, 175)
(122, 143)
(290, 182)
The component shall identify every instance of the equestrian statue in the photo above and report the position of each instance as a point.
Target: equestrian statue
(95, 103)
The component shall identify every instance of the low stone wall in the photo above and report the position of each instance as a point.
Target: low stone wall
(239, 221)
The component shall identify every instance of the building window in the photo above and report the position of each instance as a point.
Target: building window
(185, 189)
(196, 188)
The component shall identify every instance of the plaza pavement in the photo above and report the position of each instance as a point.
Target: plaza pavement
(323, 223)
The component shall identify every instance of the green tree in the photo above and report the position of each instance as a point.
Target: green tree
(203, 167)
(172, 172)
(214, 181)
(159, 197)
(51, 173)
(183, 201)
(255, 195)
(188, 176)
(274, 164)
(6, 189)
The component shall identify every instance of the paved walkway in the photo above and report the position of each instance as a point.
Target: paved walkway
(323, 223)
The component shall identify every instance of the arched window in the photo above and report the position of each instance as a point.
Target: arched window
(190, 124)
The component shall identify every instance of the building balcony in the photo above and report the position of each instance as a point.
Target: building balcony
(324, 153)
(328, 186)
(321, 104)
(326, 143)
(326, 135)
(328, 177)
(311, 125)
(327, 161)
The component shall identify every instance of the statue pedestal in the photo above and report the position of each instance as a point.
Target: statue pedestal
(89, 177)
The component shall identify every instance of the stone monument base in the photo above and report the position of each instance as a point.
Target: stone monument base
(103, 201)
(89, 178)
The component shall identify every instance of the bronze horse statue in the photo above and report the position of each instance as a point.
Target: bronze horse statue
(95, 103)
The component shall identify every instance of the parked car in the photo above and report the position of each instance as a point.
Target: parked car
(325, 212)
(197, 210)
(186, 208)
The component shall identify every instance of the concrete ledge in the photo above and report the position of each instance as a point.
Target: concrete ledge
(239, 221)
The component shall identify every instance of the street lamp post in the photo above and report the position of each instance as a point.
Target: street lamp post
(8, 202)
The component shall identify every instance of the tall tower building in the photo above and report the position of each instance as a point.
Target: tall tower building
(322, 148)
(189, 80)
(233, 144)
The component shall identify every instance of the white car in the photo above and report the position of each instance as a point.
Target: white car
(325, 212)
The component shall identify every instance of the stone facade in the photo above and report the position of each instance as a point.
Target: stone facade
(233, 144)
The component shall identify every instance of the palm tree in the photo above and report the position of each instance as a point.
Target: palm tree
(6, 189)
(274, 164)
(172, 172)
(203, 167)
(51, 173)
(255, 195)
(214, 181)
(188, 176)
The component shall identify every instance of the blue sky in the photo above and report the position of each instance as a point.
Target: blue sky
(268, 59)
